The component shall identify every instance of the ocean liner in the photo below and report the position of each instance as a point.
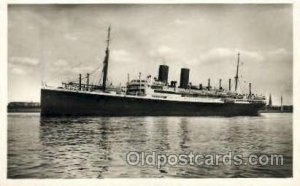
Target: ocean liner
(148, 96)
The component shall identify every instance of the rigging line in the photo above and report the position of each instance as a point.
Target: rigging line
(244, 86)
(97, 68)
(94, 80)
(92, 75)
(244, 82)
(83, 78)
(94, 71)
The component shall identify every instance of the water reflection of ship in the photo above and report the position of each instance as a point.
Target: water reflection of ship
(184, 135)
(73, 147)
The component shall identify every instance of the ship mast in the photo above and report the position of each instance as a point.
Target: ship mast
(105, 62)
(237, 73)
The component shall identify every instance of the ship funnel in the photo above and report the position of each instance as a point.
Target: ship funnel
(184, 78)
(220, 84)
(163, 73)
(208, 84)
(229, 85)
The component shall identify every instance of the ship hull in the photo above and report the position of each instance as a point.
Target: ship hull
(69, 103)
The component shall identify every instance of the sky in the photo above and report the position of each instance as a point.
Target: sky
(54, 43)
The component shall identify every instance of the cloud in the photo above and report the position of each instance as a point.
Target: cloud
(178, 22)
(255, 56)
(81, 69)
(30, 27)
(218, 52)
(60, 63)
(24, 61)
(162, 51)
(71, 37)
(17, 71)
(121, 55)
(217, 55)
(279, 52)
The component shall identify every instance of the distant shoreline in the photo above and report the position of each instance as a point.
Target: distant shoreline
(17, 110)
(23, 107)
(35, 107)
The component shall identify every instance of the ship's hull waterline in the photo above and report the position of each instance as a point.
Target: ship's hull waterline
(70, 103)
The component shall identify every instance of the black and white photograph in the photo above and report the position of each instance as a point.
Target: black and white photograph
(134, 90)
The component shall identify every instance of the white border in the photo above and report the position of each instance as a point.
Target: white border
(3, 90)
(207, 181)
(148, 2)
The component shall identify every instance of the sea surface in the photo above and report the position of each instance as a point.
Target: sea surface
(96, 147)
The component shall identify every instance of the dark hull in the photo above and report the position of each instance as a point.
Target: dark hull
(59, 103)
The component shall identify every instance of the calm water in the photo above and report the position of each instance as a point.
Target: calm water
(96, 147)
